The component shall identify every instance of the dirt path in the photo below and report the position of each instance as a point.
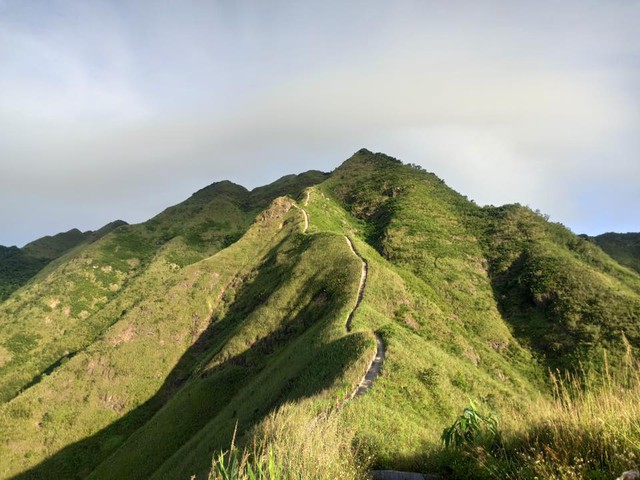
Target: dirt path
(363, 282)
(378, 358)
(373, 371)
(306, 217)
(376, 362)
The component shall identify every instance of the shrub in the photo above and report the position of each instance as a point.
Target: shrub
(472, 428)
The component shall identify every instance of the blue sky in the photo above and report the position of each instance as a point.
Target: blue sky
(119, 109)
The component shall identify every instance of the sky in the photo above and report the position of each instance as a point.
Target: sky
(119, 109)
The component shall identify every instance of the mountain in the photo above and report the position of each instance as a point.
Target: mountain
(256, 314)
(18, 265)
(623, 247)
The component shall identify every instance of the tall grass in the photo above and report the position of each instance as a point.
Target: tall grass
(235, 464)
(293, 443)
(589, 429)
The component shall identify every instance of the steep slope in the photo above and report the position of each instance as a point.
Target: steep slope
(18, 265)
(623, 247)
(76, 297)
(290, 343)
(431, 362)
(262, 309)
(431, 301)
(249, 310)
(564, 297)
(52, 247)
(16, 268)
(561, 296)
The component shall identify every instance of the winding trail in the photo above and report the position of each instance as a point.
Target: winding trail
(306, 218)
(373, 370)
(376, 362)
(361, 286)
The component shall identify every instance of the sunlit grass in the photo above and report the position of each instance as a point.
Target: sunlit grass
(590, 428)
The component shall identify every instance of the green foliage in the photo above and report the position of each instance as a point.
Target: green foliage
(137, 354)
(54, 246)
(472, 428)
(21, 343)
(578, 433)
(16, 268)
(19, 265)
(237, 465)
(623, 247)
(563, 296)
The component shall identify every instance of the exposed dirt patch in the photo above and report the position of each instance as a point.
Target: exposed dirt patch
(278, 209)
(498, 346)
(5, 356)
(133, 262)
(125, 336)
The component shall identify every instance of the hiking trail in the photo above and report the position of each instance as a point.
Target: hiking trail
(373, 370)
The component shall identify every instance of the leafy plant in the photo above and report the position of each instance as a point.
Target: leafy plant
(242, 465)
(472, 428)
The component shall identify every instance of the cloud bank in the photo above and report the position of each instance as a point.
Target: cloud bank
(112, 110)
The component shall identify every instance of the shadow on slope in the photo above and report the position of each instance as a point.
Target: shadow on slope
(191, 395)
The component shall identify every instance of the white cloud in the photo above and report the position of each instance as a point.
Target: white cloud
(505, 101)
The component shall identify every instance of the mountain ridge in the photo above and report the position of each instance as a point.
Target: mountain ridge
(227, 311)
(19, 265)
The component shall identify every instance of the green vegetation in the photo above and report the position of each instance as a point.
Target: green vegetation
(143, 353)
(16, 268)
(18, 265)
(472, 428)
(576, 433)
(623, 247)
(234, 465)
(563, 296)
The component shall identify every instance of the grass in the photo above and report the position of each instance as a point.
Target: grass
(19, 265)
(623, 247)
(293, 444)
(72, 301)
(587, 432)
(109, 306)
(220, 316)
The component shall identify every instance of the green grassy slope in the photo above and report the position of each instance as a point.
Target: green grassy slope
(430, 297)
(433, 359)
(54, 246)
(137, 355)
(564, 297)
(623, 247)
(76, 297)
(560, 295)
(290, 344)
(266, 291)
(74, 301)
(18, 265)
(16, 268)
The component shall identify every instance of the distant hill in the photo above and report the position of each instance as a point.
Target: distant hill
(139, 353)
(18, 265)
(623, 247)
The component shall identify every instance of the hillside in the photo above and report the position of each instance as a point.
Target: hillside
(18, 265)
(623, 247)
(137, 355)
